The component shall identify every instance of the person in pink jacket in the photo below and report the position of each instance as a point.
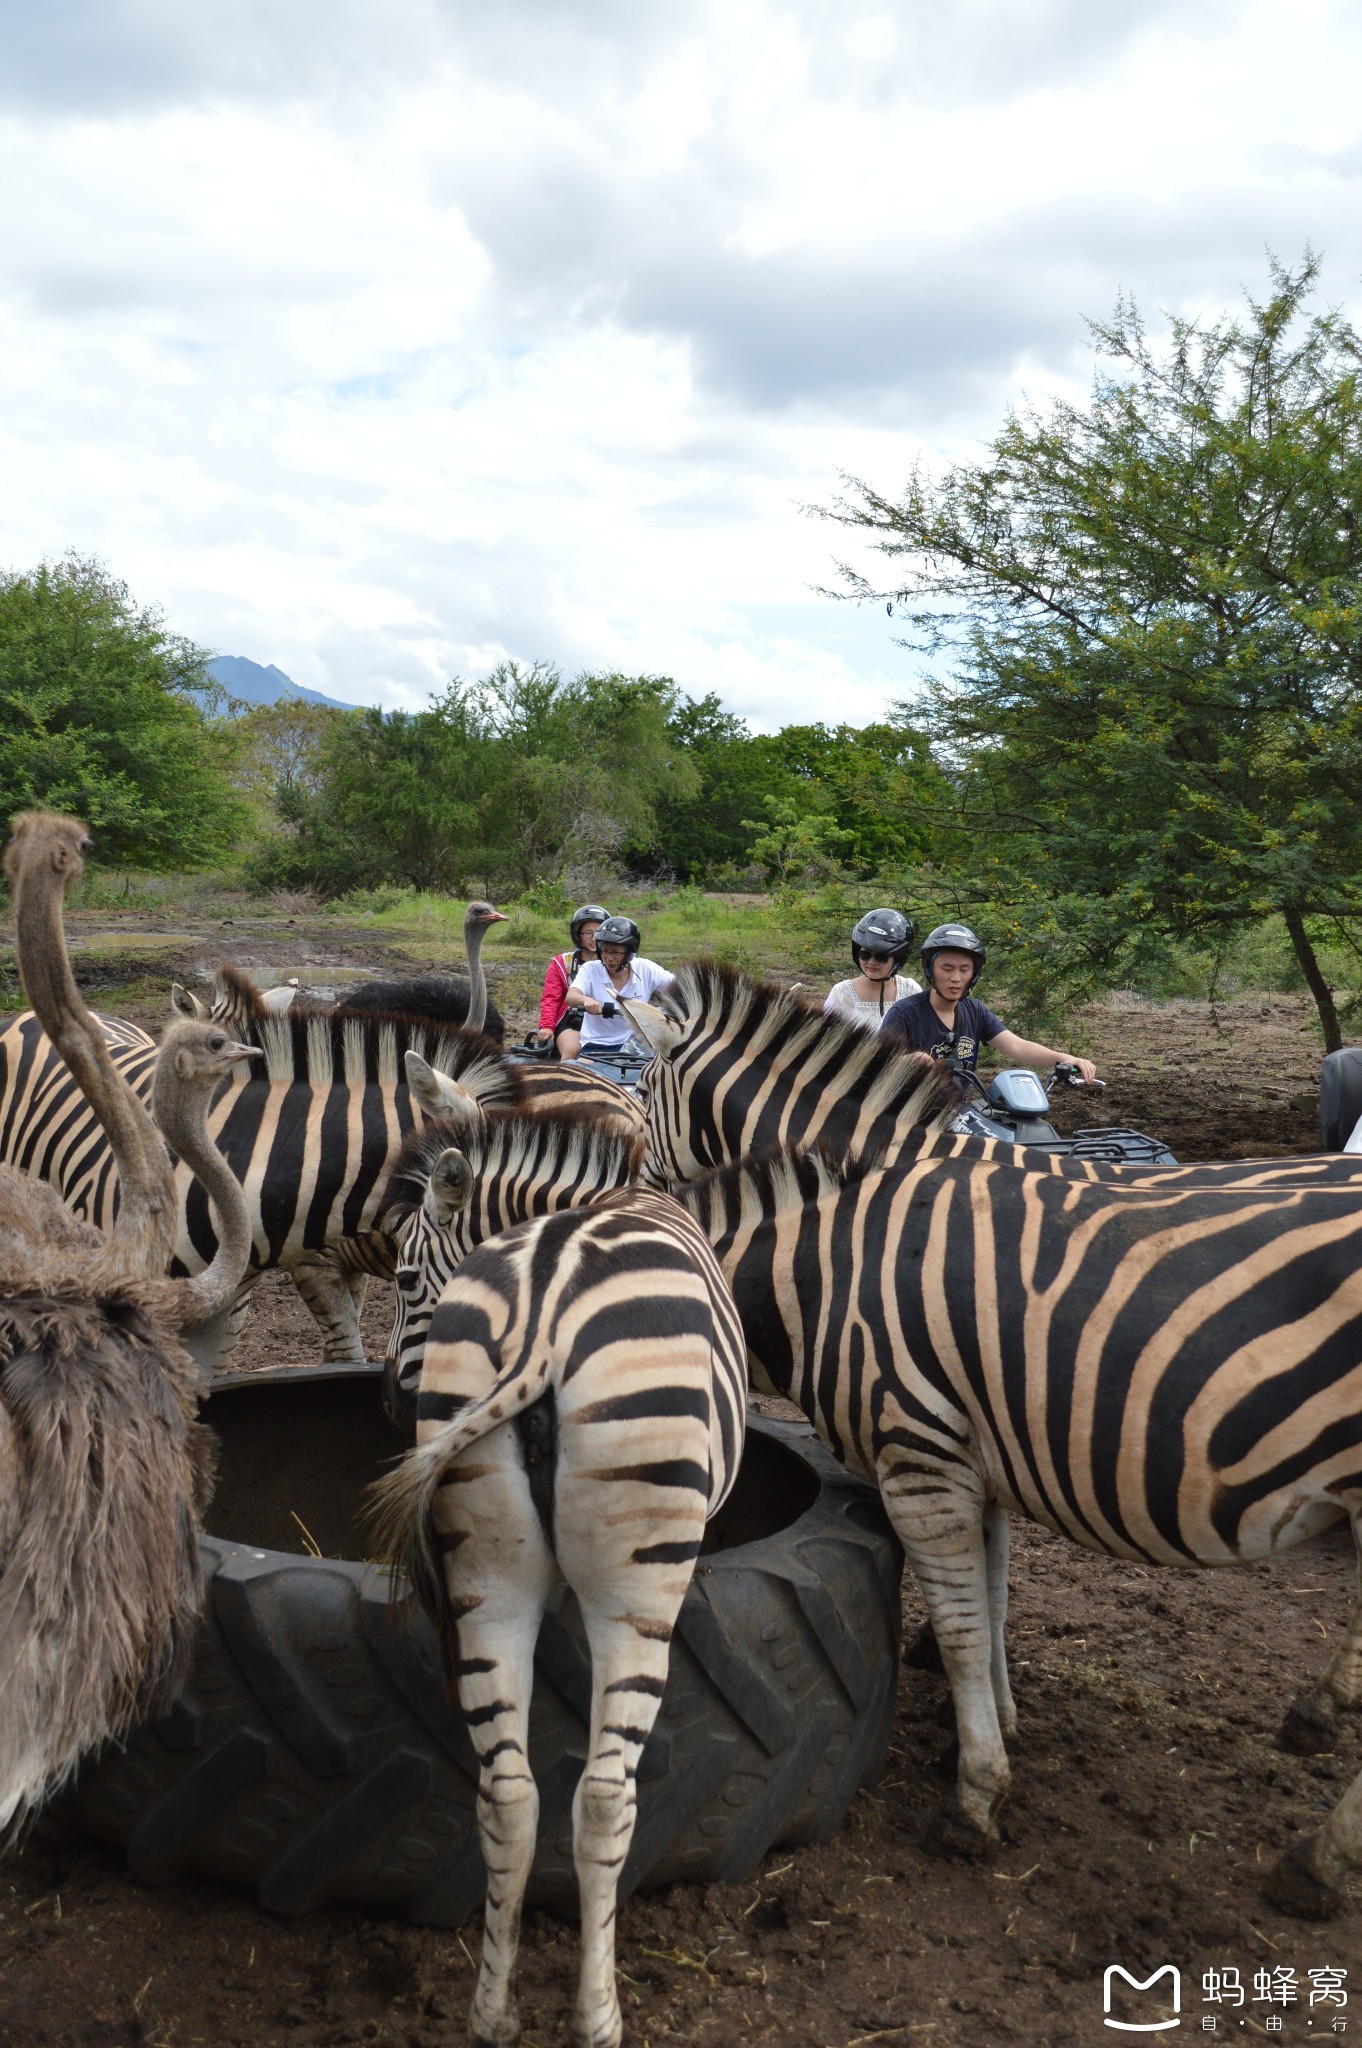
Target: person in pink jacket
(559, 1023)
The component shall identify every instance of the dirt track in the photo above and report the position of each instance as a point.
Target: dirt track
(1148, 1793)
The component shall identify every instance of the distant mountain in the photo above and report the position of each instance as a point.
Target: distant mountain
(252, 684)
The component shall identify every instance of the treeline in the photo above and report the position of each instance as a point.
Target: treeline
(1144, 734)
(500, 786)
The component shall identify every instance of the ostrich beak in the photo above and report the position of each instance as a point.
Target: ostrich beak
(243, 1052)
(494, 917)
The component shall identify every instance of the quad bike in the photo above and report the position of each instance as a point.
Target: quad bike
(621, 1063)
(1340, 1100)
(1013, 1107)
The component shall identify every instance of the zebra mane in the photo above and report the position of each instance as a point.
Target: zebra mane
(768, 1183)
(580, 1146)
(323, 1046)
(779, 1027)
(235, 999)
(329, 1047)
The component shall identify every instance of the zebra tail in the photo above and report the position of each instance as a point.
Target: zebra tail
(400, 1508)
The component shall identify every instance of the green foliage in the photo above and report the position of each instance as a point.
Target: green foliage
(96, 718)
(501, 786)
(880, 794)
(278, 749)
(1157, 602)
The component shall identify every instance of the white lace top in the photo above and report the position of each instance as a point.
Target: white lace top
(842, 1002)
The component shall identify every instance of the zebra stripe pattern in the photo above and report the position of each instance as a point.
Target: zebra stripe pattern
(744, 1064)
(1169, 1375)
(462, 1179)
(312, 1141)
(583, 1402)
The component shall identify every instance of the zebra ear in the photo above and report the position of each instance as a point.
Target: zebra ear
(440, 1096)
(186, 1004)
(449, 1188)
(653, 1025)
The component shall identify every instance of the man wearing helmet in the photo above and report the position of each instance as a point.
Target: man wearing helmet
(560, 1023)
(950, 1023)
(618, 970)
(880, 944)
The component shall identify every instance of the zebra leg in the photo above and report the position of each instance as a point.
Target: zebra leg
(1310, 1881)
(996, 1538)
(325, 1288)
(1310, 1726)
(629, 1609)
(941, 1529)
(499, 1572)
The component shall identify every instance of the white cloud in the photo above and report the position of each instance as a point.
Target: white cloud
(380, 344)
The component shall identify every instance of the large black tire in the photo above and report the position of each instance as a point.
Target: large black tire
(1340, 1096)
(314, 1757)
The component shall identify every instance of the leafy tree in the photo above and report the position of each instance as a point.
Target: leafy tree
(507, 783)
(279, 749)
(97, 718)
(1156, 602)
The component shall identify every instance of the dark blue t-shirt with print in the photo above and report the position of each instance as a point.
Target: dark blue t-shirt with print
(914, 1023)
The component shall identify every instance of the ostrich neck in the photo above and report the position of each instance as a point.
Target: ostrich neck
(142, 1238)
(184, 1125)
(473, 936)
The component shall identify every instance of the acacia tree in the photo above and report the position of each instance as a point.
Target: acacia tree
(1155, 600)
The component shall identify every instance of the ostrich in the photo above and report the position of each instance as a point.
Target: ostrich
(438, 996)
(102, 1466)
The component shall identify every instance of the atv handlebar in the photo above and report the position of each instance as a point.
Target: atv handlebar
(1071, 1078)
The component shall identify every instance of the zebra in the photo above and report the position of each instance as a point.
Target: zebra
(465, 1176)
(238, 1005)
(312, 1142)
(583, 1405)
(741, 1065)
(1168, 1375)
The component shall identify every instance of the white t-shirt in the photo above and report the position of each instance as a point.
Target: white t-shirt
(844, 1003)
(645, 979)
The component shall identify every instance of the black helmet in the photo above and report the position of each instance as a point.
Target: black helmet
(883, 931)
(619, 931)
(588, 914)
(953, 938)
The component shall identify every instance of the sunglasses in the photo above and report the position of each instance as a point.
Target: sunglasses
(882, 958)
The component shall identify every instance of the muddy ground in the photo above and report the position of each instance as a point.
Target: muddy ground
(1149, 1793)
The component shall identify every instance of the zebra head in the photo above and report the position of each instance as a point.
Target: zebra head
(437, 1239)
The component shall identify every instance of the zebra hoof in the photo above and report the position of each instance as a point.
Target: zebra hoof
(1309, 1729)
(1294, 1888)
(924, 1652)
(503, 2031)
(955, 1838)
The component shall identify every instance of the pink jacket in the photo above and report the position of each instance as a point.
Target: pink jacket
(557, 982)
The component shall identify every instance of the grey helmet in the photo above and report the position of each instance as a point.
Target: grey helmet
(588, 914)
(619, 931)
(883, 931)
(953, 938)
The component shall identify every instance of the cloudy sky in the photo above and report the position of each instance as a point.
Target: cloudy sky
(382, 339)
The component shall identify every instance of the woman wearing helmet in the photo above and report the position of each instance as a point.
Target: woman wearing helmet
(559, 1023)
(951, 1024)
(880, 944)
(618, 970)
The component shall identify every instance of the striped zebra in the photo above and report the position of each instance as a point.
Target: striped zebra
(237, 1004)
(312, 1142)
(583, 1403)
(1168, 1375)
(467, 1175)
(742, 1065)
